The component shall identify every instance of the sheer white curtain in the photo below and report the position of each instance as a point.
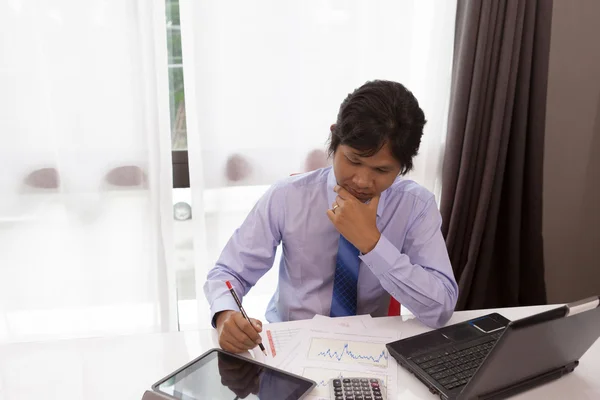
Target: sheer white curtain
(85, 184)
(264, 81)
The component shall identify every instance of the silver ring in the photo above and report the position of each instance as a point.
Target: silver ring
(334, 207)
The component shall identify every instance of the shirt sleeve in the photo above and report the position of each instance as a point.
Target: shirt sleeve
(248, 254)
(420, 277)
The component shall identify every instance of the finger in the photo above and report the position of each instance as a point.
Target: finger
(247, 329)
(343, 193)
(242, 340)
(227, 346)
(234, 344)
(250, 330)
(331, 215)
(340, 200)
(374, 203)
(237, 335)
(231, 345)
(257, 324)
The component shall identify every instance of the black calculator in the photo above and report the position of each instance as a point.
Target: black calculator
(356, 389)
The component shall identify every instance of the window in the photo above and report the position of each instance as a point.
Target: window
(181, 177)
(267, 83)
(177, 97)
(182, 211)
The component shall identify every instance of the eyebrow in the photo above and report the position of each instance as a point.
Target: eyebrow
(357, 157)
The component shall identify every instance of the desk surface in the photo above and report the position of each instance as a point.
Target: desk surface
(124, 367)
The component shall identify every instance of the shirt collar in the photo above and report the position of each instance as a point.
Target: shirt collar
(331, 195)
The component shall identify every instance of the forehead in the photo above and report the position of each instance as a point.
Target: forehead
(383, 155)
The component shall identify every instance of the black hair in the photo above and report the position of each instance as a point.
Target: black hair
(377, 113)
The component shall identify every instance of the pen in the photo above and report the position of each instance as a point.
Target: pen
(239, 304)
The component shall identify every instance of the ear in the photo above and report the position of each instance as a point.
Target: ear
(332, 127)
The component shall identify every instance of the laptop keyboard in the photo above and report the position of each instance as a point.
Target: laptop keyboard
(452, 367)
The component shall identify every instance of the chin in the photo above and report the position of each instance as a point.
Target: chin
(360, 196)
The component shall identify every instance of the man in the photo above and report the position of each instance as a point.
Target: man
(352, 234)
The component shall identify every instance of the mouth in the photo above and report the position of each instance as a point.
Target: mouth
(360, 195)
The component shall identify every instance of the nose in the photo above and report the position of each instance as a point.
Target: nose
(362, 180)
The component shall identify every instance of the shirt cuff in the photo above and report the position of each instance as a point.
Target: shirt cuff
(222, 304)
(382, 257)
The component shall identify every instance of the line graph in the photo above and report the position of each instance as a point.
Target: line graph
(348, 352)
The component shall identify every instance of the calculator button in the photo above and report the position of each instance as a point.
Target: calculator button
(368, 397)
(375, 385)
(374, 381)
(355, 380)
(339, 397)
(350, 397)
(337, 383)
(364, 380)
(337, 390)
(346, 380)
(358, 397)
(378, 397)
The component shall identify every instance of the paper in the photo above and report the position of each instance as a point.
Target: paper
(356, 323)
(278, 339)
(323, 375)
(321, 356)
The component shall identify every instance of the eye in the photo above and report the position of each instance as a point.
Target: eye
(352, 162)
(382, 171)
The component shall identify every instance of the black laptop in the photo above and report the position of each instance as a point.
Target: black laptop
(491, 357)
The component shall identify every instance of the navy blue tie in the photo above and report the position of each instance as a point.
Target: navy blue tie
(343, 302)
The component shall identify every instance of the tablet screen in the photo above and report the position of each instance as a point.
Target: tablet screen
(219, 375)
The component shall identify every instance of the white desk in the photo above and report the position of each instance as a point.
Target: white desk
(122, 368)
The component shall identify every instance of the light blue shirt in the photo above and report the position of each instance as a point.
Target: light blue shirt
(410, 261)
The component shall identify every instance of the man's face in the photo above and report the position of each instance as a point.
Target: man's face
(365, 177)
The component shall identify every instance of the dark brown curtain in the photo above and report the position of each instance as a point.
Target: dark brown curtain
(493, 167)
